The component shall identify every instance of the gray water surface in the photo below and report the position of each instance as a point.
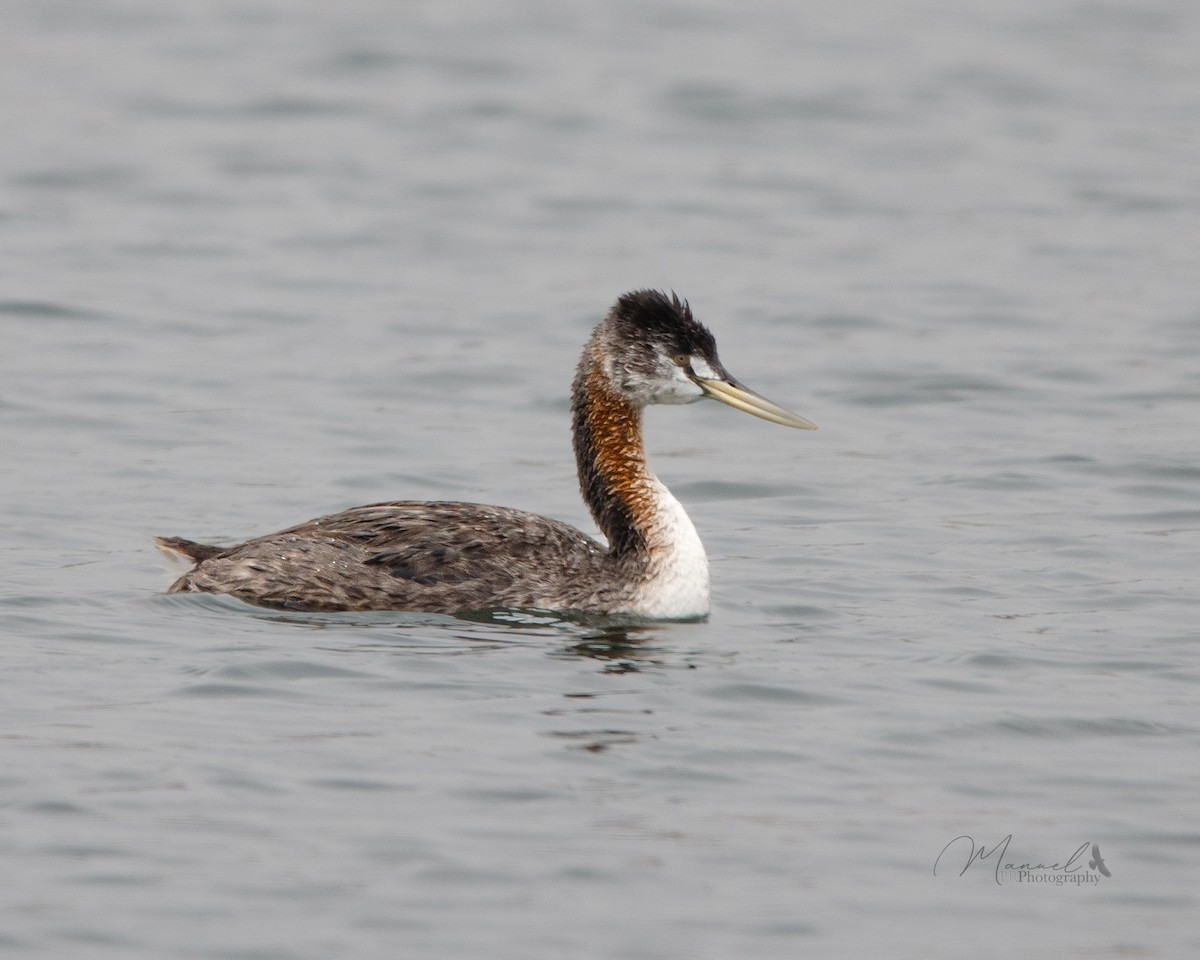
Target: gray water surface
(263, 260)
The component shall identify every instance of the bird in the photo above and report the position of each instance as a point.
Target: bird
(454, 558)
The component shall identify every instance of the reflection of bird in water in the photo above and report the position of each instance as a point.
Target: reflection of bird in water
(451, 557)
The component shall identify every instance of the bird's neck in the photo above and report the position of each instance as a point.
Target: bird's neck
(643, 522)
(610, 455)
(625, 498)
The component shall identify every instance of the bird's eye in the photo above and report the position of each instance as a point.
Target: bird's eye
(682, 360)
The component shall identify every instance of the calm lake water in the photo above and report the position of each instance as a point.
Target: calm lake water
(262, 260)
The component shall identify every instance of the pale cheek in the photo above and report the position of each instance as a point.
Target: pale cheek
(678, 392)
(701, 369)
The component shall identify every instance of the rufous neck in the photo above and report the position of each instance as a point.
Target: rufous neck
(610, 455)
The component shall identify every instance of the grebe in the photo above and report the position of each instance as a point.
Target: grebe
(447, 557)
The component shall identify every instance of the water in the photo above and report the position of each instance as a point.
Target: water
(264, 260)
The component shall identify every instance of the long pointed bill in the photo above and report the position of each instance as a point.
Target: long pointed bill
(746, 400)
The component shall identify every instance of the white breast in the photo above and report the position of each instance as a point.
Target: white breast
(678, 584)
